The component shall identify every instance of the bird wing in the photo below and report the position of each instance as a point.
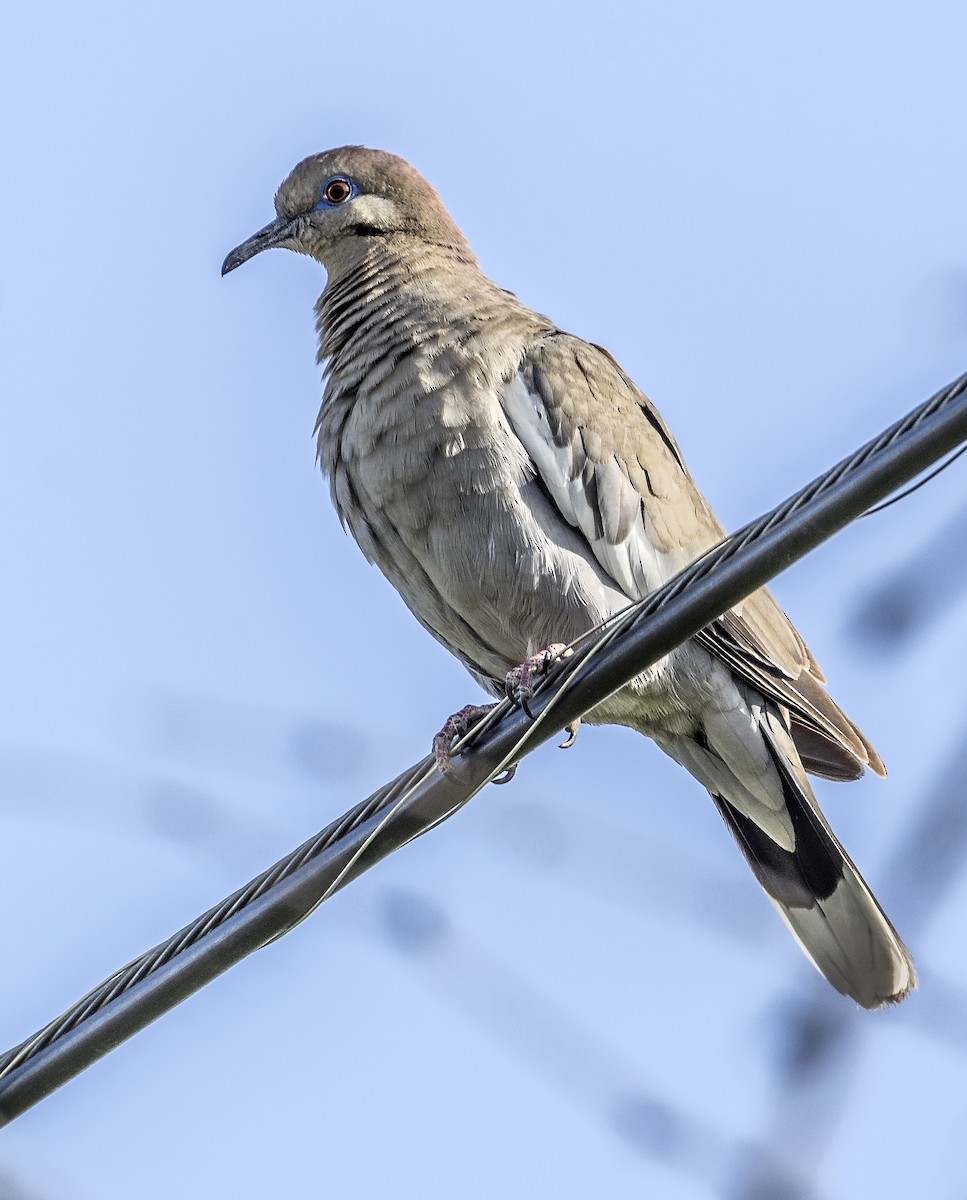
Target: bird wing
(609, 463)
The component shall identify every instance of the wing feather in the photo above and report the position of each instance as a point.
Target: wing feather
(616, 474)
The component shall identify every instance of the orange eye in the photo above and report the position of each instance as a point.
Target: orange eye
(337, 191)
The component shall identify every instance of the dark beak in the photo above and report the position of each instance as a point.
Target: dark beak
(278, 233)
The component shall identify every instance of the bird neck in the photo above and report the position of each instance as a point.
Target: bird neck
(399, 290)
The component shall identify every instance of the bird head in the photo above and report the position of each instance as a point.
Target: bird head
(333, 204)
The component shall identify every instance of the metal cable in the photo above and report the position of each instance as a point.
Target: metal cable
(126, 977)
(421, 798)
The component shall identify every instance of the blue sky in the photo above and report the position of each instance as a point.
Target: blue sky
(759, 209)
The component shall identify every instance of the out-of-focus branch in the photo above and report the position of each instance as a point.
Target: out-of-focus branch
(421, 797)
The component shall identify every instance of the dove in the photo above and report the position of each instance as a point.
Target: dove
(517, 488)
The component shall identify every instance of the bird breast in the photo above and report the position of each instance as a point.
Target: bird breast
(432, 482)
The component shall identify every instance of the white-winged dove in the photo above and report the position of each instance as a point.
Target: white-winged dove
(516, 488)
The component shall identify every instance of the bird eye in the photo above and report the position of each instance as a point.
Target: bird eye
(337, 191)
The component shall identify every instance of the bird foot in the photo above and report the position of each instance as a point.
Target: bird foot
(455, 727)
(519, 683)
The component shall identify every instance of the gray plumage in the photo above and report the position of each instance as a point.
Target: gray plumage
(516, 488)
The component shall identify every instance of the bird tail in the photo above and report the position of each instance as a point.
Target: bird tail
(750, 766)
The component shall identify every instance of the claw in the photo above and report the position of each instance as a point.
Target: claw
(572, 733)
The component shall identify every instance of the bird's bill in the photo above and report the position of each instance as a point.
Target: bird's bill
(276, 233)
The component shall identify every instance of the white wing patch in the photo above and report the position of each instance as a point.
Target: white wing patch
(596, 498)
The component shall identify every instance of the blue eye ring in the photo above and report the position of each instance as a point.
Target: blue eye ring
(336, 191)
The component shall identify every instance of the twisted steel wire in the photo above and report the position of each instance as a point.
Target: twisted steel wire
(392, 816)
(136, 970)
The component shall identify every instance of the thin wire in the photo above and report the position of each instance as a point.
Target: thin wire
(126, 977)
(564, 678)
(916, 486)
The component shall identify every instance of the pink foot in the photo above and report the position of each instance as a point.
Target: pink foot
(519, 682)
(519, 685)
(455, 727)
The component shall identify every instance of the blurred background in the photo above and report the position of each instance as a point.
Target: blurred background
(575, 986)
